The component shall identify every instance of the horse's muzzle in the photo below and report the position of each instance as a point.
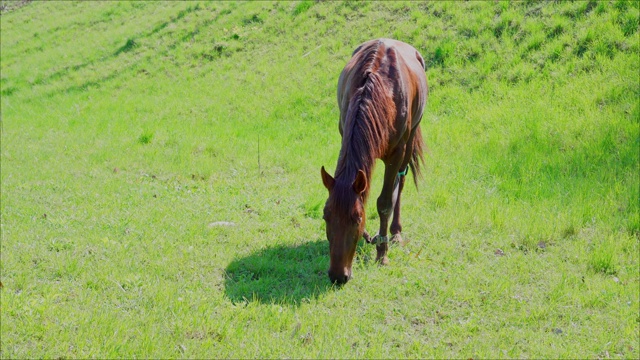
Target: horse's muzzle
(340, 278)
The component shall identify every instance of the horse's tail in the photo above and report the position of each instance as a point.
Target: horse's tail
(417, 157)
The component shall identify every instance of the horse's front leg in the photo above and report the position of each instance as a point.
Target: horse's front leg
(386, 203)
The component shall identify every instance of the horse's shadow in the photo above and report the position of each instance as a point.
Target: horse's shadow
(280, 274)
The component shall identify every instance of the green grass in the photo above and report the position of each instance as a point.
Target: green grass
(140, 218)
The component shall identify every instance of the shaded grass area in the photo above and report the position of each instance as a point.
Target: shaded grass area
(279, 274)
(130, 133)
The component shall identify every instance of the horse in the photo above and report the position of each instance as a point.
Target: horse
(382, 92)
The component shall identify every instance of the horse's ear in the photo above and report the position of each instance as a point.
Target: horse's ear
(327, 180)
(360, 183)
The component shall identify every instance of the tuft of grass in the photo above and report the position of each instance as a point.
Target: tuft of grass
(145, 138)
(128, 46)
(633, 226)
(302, 7)
(442, 53)
(603, 258)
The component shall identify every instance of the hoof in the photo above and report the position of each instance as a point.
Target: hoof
(383, 261)
(398, 239)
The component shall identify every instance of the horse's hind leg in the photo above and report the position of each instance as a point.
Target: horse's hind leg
(396, 227)
(386, 203)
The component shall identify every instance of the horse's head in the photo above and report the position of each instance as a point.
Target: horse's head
(344, 216)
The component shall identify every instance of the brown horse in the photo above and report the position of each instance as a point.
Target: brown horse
(382, 93)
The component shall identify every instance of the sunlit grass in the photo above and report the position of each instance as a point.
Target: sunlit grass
(161, 194)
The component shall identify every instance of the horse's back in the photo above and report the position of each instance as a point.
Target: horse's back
(403, 69)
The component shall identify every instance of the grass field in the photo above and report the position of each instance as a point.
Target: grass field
(161, 191)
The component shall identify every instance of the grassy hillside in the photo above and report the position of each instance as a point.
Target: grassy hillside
(161, 194)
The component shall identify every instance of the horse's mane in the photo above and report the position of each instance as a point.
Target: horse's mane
(369, 115)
